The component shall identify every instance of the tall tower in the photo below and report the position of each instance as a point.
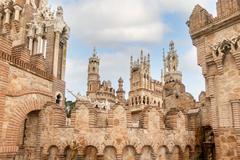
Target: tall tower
(171, 73)
(120, 91)
(218, 50)
(140, 73)
(93, 75)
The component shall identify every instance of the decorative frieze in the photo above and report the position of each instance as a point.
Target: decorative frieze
(226, 46)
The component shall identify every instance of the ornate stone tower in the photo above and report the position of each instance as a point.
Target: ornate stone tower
(140, 73)
(142, 86)
(218, 49)
(120, 91)
(171, 73)
(93, 75)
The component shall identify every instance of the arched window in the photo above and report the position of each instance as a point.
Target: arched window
(59, 99)
(144, 100)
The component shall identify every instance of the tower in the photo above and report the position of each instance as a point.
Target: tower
(171, 62)
(140, 73)
(218, 50)
(120, 91)
(93, 75)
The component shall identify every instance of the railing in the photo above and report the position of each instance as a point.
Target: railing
(24, 65)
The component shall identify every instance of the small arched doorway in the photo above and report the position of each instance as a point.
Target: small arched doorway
(90, 153)
(29, 132)
(110, 153)
(129, 153)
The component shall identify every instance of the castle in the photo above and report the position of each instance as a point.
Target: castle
(158, 121)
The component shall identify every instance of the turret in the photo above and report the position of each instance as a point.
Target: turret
(171, 73)
(93, 75)
(120, 91)
(140, 73)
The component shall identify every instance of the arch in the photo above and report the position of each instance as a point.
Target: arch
(187, 153)
(171, 119)
(90, 153)
(197, 151)
(129, 153)
(176, 153)
(53, 153)
(59, 98)
(67, 152)
(25, 105)
(147, 153)
(144, 100)
(163, 153)
(136, 100)
(148, 102)
(110, 153)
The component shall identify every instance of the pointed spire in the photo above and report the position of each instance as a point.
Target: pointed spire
(163, 53)
(164, 62)
(94, 52)
(148, 59)
(131, 61)
(171, 46)
(162, 76)
(141, 58)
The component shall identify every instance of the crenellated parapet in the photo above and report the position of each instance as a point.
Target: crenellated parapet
(202, 21)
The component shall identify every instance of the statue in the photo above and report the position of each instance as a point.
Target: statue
(32, 2)
(68, 111)
(74, 150)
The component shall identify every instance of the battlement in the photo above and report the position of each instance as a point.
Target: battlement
(202, 21)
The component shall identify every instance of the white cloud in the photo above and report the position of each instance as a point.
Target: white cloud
(110, 22)
(98, 22)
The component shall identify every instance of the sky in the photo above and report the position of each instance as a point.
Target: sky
(122, 28)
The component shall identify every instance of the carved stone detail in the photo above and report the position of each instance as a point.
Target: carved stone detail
(226, 46)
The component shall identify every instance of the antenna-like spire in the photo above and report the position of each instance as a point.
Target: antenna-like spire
(148, 59)
(131, 61)
(164, 62)
(171, 46)
(94, 52)
(141, 57)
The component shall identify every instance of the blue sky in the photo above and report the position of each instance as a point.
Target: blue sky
(120, 29)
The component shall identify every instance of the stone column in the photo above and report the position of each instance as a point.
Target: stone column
(1, 19)
(39, 44)
(17, 12)
(64, 60)
(7, 15)
(213, 109)
(56, 53)
(30, 45)
(236, 114)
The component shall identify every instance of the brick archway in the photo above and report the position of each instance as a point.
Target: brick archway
(28, 103)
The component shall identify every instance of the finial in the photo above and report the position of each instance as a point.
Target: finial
(94, 52)
(120, 80)
(148, 58)
(163, 54)
(171, 46)
(141, 58)
(131, 61)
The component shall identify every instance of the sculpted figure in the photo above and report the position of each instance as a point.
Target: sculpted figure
(68, 111)
(74, 150)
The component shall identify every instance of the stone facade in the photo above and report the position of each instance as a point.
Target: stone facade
(217, 42)
(33, 43)
(158, 121)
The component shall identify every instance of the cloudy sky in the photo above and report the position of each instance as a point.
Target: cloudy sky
(121, 28)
